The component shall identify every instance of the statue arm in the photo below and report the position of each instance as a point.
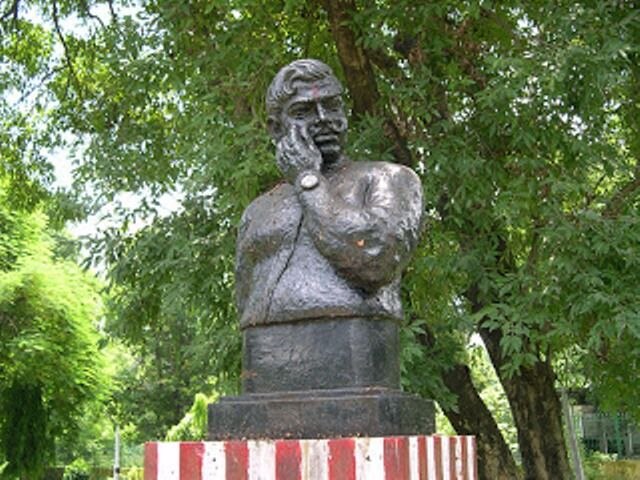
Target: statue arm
(243, 262)
(369, 244)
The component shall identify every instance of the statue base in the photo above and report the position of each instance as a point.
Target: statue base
(321, 354)
(398, 458)
(293, 388)
(370, 412)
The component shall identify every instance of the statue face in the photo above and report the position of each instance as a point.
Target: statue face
(317, 109)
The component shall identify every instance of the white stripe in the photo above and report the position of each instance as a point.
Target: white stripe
(214, 461)
(369, 458)
(431, 458)
(445, 445)
(458, 456)
(262, 460)
(414, 462)
(314, 459)
(169, 460)
(471, 458)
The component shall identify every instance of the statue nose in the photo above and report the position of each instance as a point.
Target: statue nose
(322, 113)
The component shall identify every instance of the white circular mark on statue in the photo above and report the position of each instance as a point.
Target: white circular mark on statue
(309, 181)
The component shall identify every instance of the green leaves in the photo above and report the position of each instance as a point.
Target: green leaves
(25, 437)
(171, 302)
(50, 366)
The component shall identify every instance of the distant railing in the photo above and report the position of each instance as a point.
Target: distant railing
(608, 433)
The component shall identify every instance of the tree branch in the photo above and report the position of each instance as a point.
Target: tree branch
(383, 61)
(618, 200)
(65, 46)
(42, 81)
(12, 11)
(87, 11)
(112, 10)
(589, 197)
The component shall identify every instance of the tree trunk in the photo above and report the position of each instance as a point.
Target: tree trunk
(495, 461)
(355, 64)
(537, 412)
(472, 417)
(361, 80)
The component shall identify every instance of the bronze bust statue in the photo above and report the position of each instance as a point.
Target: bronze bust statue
(332, 241)
(318, 266)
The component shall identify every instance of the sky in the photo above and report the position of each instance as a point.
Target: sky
(63, 171)
(62, 160)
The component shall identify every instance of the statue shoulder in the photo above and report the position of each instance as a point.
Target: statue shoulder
(271, 215)
(392, 172)
(263, 206)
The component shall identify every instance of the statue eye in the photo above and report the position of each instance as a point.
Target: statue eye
(332, 104)
(300, 110)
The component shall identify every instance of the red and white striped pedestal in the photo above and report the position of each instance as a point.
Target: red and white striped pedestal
(387, 458)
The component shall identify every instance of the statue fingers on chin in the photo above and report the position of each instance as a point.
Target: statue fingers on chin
(295, 154)
(286, 159)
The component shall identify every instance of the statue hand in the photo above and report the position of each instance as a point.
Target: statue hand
(296, 153)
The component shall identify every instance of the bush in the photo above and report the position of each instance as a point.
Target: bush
(134, 473)
(76, 470)
(601, 466)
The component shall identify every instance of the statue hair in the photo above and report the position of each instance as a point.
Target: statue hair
(282, 86)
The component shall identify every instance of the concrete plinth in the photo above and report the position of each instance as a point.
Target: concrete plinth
(381, 458)
(321, 414)
(322, 378)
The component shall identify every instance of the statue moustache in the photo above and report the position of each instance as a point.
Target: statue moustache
(336, 127)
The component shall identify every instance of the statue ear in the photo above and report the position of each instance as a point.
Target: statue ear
(275, 128)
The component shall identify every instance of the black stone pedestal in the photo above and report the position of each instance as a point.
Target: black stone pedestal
(321, 378)
(321, 414)
(321, 355)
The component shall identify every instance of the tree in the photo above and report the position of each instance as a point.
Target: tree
(521, 118)
(173, 307)
(50, 366)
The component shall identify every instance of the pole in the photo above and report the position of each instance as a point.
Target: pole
(571, 433)
(116, 459)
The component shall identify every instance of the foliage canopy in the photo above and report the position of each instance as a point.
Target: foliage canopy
(522, 119)
(50, 366)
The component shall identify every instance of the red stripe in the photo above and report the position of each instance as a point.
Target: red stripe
(396, 458)
(451, 445)
(236, 454)
(342, 461)
(464, 461)
(288, 460)
(437, 453)
(422, 458)
(151, 461)
(191, 460)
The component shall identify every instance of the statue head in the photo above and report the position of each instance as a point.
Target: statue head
(307, 93)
